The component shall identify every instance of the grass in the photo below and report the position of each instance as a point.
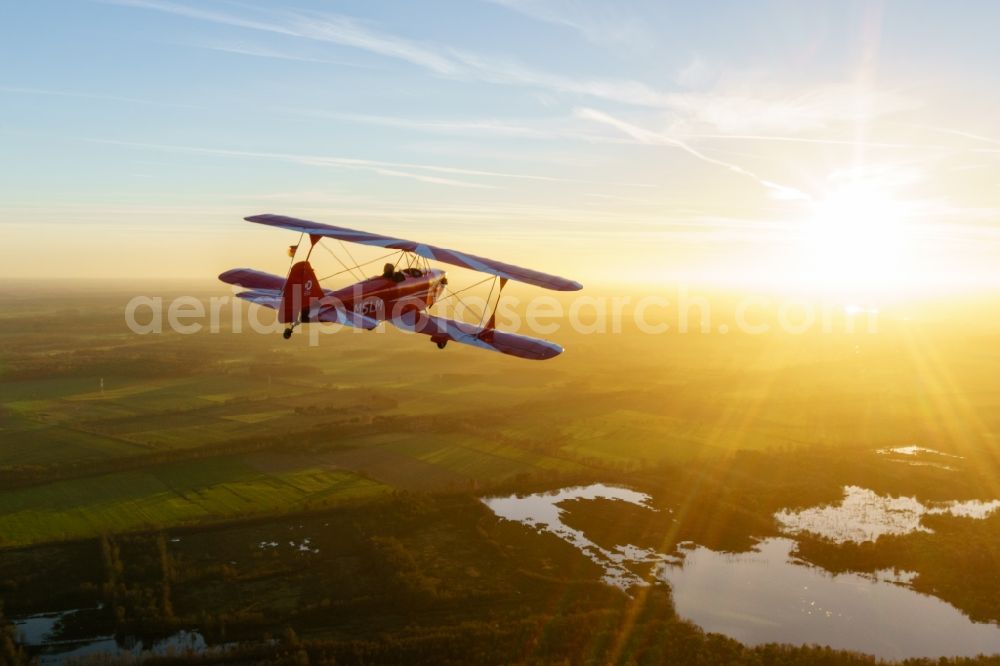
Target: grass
(166, 496)
(413, 417)
(259, 417)
(43, 444)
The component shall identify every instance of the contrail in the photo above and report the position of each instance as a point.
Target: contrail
(651, 138)
(967, 135)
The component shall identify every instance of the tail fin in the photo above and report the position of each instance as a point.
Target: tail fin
(300, 292)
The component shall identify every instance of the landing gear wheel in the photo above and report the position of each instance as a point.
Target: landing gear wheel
(287, 334)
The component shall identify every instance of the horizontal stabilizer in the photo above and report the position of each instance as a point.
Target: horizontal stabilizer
(249, 278)
(266, 298)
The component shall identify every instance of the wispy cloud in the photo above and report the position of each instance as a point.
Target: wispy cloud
(381, 168)
(348, 32)
(601, 23)
(14, 90)
(740, 109)
(697, 73)
(396, 169)
(648, 137)
(579, 224)
(324, 27)
(436, 180)
(262, 52)
(202, 14)
(962, 133)
(813, 140)
(507, 71)
(439, 60)
(442, 126)
(554, 128)
(744, 109)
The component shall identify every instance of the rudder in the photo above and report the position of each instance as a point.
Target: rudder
(299, 294)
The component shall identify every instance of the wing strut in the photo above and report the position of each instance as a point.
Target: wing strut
(492, 321)
(313, 239)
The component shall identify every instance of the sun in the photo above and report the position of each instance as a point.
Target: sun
(855, 239)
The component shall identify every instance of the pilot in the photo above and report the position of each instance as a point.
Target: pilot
(389, 272)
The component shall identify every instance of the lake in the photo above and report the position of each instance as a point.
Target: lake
(767, 595)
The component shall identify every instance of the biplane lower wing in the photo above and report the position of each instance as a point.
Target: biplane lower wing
(328, 314)
(442, 330)
(338, 315)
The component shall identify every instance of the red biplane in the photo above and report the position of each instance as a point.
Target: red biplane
(401, 295)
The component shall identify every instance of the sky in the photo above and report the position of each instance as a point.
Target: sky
(840, 145)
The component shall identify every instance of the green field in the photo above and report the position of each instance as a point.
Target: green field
(149, 500)
(175, 494)
(173, 436)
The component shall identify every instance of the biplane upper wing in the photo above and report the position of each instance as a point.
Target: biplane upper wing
(447, 256)
(441, 329)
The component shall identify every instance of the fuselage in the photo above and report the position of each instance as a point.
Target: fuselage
(384, 298)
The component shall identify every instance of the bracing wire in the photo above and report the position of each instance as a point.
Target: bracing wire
(351, 257)
(456, 293)
(372, 261)
(426, 265)
(402, 255)
(332, 254)
(464, 304)
(486, 307)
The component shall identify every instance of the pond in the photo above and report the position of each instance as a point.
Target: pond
(767, 595)
(541, 511)
(864, 515)
(41, 632)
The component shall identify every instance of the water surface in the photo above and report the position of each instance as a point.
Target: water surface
(542, 511)
(864, 515)
(42, 631)
(767, 595)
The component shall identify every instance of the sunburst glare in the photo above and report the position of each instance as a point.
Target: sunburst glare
(857, 238)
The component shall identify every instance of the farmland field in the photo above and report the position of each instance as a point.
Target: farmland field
(200, 464)
(105, 402)
(171, 494)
